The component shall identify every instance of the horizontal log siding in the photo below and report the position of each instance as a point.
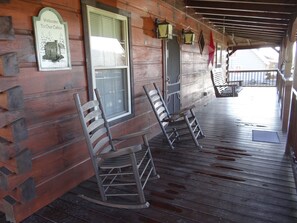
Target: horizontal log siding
(54, 135)
(59, 156)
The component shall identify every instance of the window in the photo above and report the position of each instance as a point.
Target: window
(109, 53)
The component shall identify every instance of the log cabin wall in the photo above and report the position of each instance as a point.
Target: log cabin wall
(50, 143)
(148, 57)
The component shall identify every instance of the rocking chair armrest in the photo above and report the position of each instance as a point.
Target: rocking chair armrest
(227, 85)
(131, 135)
(121, 152)
(238, 82)
(183, 111)
(173, 118)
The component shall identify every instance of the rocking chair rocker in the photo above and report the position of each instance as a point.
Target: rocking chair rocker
(175, 127)
(121, 174)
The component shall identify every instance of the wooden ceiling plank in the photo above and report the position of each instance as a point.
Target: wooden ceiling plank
(252, 46)
(251, 28)
(254, 35)
(262, 39)
(232, 29)
(231, 10)
(265, 21)
(280, 23)
(270, 16)
(267, 2)
(242, 6)
(274, 27)
(252, 32)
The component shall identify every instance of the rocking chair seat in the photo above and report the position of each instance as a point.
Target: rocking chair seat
(114, 160)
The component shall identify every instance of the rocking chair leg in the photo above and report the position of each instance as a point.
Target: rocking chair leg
(137, 179)
(146, 144)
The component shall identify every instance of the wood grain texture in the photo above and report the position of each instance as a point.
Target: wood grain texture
(6, 28)
(8, 149)
(7, 117)
(20, 163)
(22, 193)
(9, 64)
(15, 131)
(12, 99)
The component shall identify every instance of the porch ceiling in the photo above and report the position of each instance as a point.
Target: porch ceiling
(248, 23)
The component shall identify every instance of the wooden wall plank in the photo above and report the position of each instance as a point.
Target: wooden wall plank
(47, 81)
(146, 55)
(9, 180)
(47, 191)
(25, 47)
(64, 157)
(22, 193)
(49, 107)
(22, 19)
(9, 64)
(8, 149)
(20, 163)
(6, 28)
(141, 37)
(12, 99)
(15, 131)
(7, 117)
(45, 138)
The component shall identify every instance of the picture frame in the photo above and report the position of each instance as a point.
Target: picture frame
(201, 42)
(51, 40)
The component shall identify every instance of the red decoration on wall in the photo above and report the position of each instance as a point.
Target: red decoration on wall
(211, 49)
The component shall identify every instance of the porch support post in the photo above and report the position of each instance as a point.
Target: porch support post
(295, 69)
(287, 87)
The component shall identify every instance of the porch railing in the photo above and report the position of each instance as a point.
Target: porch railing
(255, 78)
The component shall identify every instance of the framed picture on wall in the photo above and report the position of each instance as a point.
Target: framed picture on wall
(51, 40)
(201, 42)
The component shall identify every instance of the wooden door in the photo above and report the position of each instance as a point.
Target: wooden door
(172, 75)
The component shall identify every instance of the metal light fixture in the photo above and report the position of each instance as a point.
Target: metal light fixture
(188, 36)
(163, 29)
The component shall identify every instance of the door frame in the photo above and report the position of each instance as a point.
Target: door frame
(165, 65)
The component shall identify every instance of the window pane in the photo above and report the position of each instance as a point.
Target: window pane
(112, 84)
(107, 52)
(107, 41)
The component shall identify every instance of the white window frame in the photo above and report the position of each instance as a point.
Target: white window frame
(124, 19)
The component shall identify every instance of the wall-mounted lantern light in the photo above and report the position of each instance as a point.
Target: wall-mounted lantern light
(163, 29)
(188, 36)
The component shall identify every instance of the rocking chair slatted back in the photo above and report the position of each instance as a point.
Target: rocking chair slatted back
(174, 126)
(94, 126)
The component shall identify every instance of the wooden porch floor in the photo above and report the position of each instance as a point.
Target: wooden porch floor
(232, 179)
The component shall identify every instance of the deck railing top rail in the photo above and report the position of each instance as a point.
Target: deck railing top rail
(255, 78)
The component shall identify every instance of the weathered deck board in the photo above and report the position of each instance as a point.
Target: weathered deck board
(232, 179)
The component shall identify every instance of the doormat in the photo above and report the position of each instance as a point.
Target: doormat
(265, 136)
